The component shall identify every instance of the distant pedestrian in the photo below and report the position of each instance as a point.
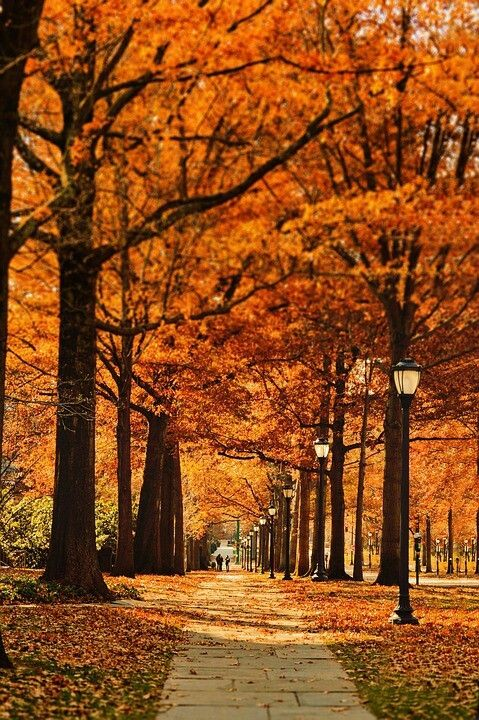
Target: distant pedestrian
(219, 562)
(227, 563)
(213, 564)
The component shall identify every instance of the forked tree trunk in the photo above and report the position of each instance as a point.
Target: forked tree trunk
(147, 536)
(337, 569)
(303, 510)
(179, 554)
(73, 558)
(167, 515)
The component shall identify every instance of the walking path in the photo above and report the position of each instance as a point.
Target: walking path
(249, 657)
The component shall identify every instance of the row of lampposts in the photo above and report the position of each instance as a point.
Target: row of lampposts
(406, 376)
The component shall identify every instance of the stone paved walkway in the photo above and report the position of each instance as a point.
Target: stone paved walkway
(249, 657)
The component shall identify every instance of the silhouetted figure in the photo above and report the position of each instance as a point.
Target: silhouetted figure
(227, 563)
(219, 562)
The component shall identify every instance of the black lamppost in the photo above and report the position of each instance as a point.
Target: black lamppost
(251, 535)
(321, 447)
(288, 491)
(407, 374)
(370, 549)
(255, 541)
(262, 540)
(271, 513)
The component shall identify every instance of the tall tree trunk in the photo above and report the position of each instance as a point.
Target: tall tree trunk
(294, 531)
(428, 545)
(303, 510)
(124, 561)
(167, 516)
(389, 558)
(358, 536)
(179, 553)
(18, 36)
(147, 536)
(336, 563)
(72, 555)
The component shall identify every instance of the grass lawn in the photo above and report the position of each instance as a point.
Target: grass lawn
(83, 660)
(424, 672)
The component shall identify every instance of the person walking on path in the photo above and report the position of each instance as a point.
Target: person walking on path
(227, 563)
(219, 562)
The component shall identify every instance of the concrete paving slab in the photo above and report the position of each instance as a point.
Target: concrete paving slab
(232, 698)
(325, 713)
(329, 699)
(216, 713)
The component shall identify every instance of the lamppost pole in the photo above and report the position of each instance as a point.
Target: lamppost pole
(321, 447)
(406, 377)
(251, 536)
(288, 495)
(271, 513)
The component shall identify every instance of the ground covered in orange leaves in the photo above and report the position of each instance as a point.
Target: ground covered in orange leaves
(88, 660)
(424, 672)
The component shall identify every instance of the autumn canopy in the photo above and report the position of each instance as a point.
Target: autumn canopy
(221, 223)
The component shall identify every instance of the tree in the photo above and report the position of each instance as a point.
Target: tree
(18, 37)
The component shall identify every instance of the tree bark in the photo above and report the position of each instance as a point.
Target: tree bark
(124, 561)
(303, 511)
(179, 553)
(73, 558)
(389, 558)
(167, 516)
(147, 536)
(18, 36)
(428, 545)
(294, 531)
(358, 535)
(337, 569)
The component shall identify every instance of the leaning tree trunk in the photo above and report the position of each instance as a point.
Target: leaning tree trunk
(179, 551)
(147, 536)
(167, 515)
(18, 36)
(337, 569)
(303, 510)
(73, 558)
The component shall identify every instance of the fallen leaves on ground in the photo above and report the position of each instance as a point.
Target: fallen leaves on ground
(92, 660)
(424, 672)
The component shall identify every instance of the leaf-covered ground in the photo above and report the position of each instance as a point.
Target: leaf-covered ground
(424, 672)
(90, 660)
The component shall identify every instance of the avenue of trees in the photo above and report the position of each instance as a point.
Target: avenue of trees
(220, 225)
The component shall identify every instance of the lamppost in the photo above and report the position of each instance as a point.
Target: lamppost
(256, 531)
(407, 374)
(370, 549)
(438, 554)
(288, 491)
(262, 540)
(271, 513)
(321, 447)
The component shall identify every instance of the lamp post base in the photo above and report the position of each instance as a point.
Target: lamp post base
(286, 576)
(403, 616)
